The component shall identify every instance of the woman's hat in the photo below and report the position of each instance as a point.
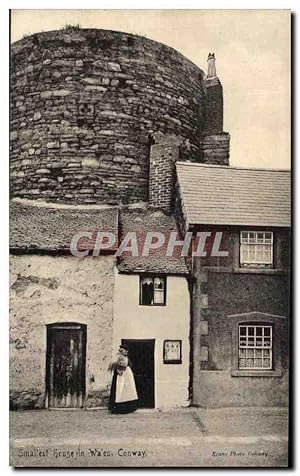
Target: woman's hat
(124, 346)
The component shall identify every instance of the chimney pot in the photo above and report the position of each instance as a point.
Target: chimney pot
(211, 67)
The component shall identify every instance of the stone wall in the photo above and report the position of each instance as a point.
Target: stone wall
(227, 294)
(214, 106)
(223, 294)
(216, 149)
(83, 105)
(47, 290)
(215, 142)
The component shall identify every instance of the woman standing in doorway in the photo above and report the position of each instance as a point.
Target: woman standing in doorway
(123, 396)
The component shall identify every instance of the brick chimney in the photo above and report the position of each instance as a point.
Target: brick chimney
(164, 153)
(215, 142)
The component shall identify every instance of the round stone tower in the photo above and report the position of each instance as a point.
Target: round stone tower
(84, 105)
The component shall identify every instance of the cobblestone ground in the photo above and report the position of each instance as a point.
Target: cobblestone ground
(183, 437)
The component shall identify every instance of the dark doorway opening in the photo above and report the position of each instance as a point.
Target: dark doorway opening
(141, 355)
(65, 365)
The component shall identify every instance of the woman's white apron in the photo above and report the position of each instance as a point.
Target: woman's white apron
(125, 387)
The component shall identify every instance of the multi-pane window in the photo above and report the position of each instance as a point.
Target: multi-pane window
(153, 291)
(256, 248)
(255, 347)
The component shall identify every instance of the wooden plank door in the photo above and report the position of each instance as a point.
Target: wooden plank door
(65, 373)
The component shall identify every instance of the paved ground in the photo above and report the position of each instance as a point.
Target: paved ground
(184, 437)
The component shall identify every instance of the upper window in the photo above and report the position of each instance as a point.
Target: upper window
(153, 291)
(256, 248)
(255, 347)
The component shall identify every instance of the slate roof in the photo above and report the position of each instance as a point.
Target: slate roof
(141, 222)
(49, 229)
(43, 228)
(222, 195)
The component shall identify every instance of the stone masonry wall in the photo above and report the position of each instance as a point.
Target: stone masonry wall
(214, 106)
(83, 105)
(227, 294)
(216, 149)
(47, 290)
(222, 290)
(215, 142)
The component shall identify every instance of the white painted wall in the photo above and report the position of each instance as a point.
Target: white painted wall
(134, 321)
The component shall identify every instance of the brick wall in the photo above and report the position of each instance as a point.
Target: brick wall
(163, 156)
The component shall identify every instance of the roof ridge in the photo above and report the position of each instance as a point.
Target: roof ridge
(230, 167)
(41, 204)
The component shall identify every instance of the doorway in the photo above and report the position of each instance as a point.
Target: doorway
(141, 355)
(65, 365)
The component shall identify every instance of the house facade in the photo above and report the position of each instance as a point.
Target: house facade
(69, 314)
(61, 308)
(241, 298)
(152, 313)
(125, 135)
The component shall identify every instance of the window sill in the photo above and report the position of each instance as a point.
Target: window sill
(235, 270)
(172, 362)
(260, 271)
(256, 373)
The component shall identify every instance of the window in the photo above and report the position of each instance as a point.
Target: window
(172, 352)
(153, 291)
(255, 347)
(259, 342)
(256, 248)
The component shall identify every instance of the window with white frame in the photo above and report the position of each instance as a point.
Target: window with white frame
(255, 347)
(256, 248)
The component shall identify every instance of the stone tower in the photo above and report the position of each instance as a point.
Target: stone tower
(84, 103)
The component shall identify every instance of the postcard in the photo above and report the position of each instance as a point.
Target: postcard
(150, 238)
